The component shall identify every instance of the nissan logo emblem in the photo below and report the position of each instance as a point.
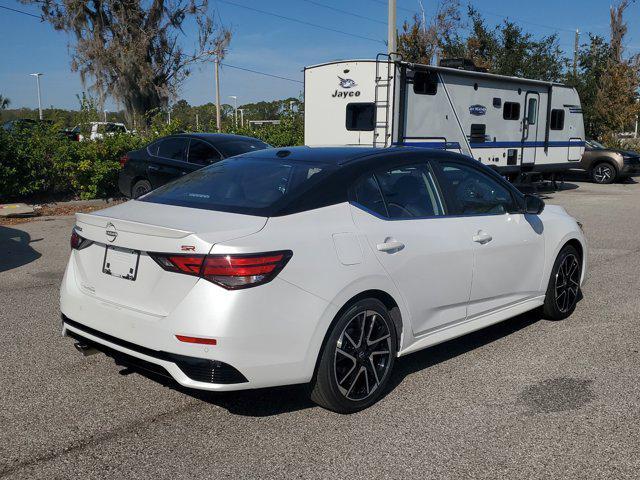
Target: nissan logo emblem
(111, 232)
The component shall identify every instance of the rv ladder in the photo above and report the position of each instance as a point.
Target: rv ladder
(381, 134)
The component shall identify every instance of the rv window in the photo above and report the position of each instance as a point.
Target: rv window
(361, 116)
(425, 83)
(532, 111)
(511, 111)
(478, 132)
(557, 119)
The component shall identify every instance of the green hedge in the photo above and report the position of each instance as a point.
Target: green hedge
(40, 160)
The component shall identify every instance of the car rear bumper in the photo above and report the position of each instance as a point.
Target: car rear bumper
(189, 371)
(260, 342)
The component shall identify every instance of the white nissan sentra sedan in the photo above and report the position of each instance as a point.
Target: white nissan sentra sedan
(314, 265)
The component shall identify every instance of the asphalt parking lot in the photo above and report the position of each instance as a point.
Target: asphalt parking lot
(527, 398)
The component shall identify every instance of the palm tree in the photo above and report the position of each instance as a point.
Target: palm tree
(4, 102)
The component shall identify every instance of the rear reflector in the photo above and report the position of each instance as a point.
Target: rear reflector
(202, 341)
(123, 160)
(229, 271)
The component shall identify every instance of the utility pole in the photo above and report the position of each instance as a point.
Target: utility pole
(576, 46)
(218, 116)
(197, 123)
(38, 75)
(235, 109)
(391, 27)
(241, 110)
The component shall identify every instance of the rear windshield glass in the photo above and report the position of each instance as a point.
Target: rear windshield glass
(238, 147)
(247, 185)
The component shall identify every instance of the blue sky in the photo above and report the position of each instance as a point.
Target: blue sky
(274, 45)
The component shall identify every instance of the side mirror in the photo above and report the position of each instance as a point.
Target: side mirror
(533, 205)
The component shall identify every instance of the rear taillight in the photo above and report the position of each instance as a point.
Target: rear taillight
(229, 271)
(123, 160)
(77, 242)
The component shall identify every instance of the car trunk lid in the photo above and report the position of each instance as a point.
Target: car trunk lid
(117, 269)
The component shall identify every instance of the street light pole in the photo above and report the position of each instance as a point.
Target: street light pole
(241, 110)
(37, 75)
(235, 109)
(218, 114)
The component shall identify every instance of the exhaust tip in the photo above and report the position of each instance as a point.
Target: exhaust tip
(85, 349)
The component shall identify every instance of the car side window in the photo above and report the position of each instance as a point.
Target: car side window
(173, 148)
(473, 192)
(410, 192)
(201, 153)
(368, 195)
(402, 192)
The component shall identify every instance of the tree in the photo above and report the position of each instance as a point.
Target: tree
(593, 60)
(615, 105)
(4, 102)
(421, 42)
(507, 50)
(131, 48)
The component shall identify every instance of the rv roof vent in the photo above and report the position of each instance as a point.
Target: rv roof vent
(461, 64)
(283, 153)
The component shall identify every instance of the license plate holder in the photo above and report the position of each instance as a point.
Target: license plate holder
(121, 262)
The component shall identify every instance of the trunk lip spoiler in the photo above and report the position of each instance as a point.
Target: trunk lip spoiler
(130, 226)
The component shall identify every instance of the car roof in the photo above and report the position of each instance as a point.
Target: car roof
(214, 137)
(342, 156)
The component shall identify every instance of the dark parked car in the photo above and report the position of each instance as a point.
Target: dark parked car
(171, 157)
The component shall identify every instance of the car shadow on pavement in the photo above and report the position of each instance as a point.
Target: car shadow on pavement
(544, 189)
(15, 248)
(442, 352)
(266, 402)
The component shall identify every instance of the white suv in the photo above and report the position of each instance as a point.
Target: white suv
(98, 130)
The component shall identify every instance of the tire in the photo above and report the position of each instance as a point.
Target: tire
(353, 373)
(563, 290)
(604, 173)
(141, 187)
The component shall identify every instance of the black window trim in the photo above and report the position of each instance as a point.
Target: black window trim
(510, 118)
(551, 119)
(375, 116)
(429, 72)
(516, 196)
(426, 162)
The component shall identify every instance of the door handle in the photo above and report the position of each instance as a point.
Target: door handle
(390, 246)
(482, 238)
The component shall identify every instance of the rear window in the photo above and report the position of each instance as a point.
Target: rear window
(247, 185)
(238, 147)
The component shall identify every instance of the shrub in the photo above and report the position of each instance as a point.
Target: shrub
(40, 160)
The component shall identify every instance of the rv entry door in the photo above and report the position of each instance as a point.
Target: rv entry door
(530, 128)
